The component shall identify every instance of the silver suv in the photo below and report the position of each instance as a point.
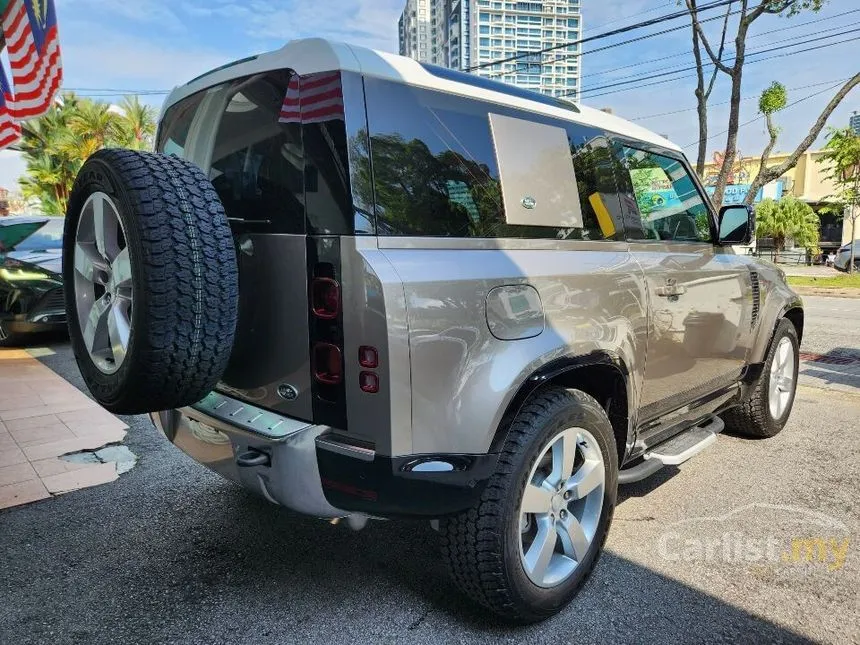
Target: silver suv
(364, 287)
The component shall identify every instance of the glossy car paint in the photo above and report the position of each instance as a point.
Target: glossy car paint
(679, 320)
(30, 280)
(463, 377)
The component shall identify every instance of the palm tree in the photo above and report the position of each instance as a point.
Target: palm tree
(56, 144)
(137, 123)
(787, 218)
(97, 122)
(842, 154)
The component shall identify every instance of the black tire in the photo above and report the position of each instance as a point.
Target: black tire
(184, 276)
(481, 546)
(752, 418)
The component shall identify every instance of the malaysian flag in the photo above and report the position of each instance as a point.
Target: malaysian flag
(10, 129)
(30, 27)
(313, 99)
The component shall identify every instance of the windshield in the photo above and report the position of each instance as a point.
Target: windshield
(49, 236)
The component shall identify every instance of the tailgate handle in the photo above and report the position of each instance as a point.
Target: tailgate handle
(251, 458)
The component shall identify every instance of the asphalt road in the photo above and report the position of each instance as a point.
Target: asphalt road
(170, 553)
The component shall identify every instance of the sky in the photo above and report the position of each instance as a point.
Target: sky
(113, 45)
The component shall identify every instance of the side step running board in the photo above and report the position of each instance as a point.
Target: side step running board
(676, 450)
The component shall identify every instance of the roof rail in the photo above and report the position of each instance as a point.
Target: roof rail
(498, 86)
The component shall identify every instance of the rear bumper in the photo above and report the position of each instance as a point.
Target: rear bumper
(309, 469)
(290, 478)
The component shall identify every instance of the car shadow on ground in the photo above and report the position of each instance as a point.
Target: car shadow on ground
(204, 561)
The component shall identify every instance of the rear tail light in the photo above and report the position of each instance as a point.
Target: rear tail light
(368, 357)
(368, 382)
(325, 298)
(327, 363)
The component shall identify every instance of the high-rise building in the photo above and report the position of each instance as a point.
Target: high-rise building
(415, 29)
(463, 34)
(854, 123)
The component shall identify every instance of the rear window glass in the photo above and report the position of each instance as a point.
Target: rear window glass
(257, 163)
(175, 125)
(435, 170)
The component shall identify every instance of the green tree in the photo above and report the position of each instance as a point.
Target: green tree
(747, 14)
(773, 99)
(56, 144)
(787, 218)
(137, 124)
(842, 154)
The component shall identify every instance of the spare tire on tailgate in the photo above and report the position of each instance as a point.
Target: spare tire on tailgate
(151, 281)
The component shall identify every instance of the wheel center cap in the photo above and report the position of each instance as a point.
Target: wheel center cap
(558, 503)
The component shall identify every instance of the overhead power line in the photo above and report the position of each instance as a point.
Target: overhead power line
(761, 116)
(605, 47)
(745, 98)
(636, 79)
(638, 63)
(606, 34)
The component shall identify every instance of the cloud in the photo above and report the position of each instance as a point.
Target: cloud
(370, 23)
(11, 167)
(120, 60)
(153, 12)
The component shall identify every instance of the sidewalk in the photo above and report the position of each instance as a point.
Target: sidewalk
(42, 417)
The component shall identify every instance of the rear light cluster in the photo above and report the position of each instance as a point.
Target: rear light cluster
(327, 358)
(368, 358)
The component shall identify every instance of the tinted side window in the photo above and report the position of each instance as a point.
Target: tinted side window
(173, 131)
(257, 161)
(435, 170)
(670, 207)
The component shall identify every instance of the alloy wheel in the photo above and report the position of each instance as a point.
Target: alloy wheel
(103, 283)
(561, 507)
(781, 382)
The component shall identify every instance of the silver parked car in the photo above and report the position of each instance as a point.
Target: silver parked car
(843, 256)
(365, 287)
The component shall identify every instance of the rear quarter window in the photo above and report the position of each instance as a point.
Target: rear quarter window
(436, 173)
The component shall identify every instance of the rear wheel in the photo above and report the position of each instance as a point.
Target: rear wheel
(766, 408)
(531, 542)
(152, 281)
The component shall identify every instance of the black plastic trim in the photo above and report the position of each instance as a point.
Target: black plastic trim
(384, 487)
(546, 374)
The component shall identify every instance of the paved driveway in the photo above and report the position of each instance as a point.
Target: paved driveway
(726, 548)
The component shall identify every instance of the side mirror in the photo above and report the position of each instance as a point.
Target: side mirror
(737, 224)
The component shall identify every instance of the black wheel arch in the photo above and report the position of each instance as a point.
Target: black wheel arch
(602, 374)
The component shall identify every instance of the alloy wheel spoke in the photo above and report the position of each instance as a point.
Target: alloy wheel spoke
(563, 457)
(96, 328)
(540, 552)
(121, 270)
(589, 476)
(536, 499)
(573, 538)
(118, 331)
(88, 262)
(105, 230)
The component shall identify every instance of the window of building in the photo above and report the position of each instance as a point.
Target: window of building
(484, 29)
(483, 16)
(436, 172)
(669, 204)
(484, 42)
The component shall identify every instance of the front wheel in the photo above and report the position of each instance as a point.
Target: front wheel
(767, 406)
(528, 546)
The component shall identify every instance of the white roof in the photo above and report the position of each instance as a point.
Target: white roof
(312, 55)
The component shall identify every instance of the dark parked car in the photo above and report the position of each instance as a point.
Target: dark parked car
(31, 284)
